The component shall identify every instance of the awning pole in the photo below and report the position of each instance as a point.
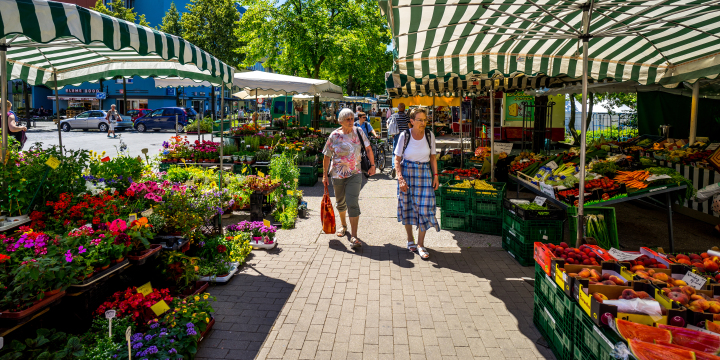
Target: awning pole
(125, 106)
(433, 113)
(3, 93)
(492, 134)
(57, 111)
(222, 144)
(286, 118)
(462, 146)
(694, 111)
(583, 127)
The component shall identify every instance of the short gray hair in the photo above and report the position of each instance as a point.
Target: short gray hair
(346, 113)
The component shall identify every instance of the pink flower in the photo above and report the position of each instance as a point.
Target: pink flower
(118, 225)
(81, 250)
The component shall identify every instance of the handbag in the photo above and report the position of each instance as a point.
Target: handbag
(364, 161)
(327, 214)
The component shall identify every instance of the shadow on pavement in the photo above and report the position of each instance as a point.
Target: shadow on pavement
(245, 310)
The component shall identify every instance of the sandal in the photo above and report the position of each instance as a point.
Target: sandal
(423, 253)
(412, 246)
(355, 242)
(341, 233)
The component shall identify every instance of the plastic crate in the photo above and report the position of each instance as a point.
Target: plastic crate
(591, 341)
(523, 253)
(545, 287)
(560, 344)
(530, 231)
(456, 204)
(163, 167)
(485, 225)
(448, 191)
(610, 222)
(307, 170)
(453, 221)
(438, 198)
(552, 213)
(307, 180)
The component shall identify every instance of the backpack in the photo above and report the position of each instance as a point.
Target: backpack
(392, 126)
(364, 161)
(408, 135)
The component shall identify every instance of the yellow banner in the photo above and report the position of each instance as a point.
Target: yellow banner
(427, 101)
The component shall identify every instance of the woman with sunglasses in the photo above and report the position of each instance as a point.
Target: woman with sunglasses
(416, 165)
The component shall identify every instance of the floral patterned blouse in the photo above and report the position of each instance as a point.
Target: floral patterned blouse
(345, 152)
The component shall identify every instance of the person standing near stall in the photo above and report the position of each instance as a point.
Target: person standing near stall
(16, 130)
(396, 124)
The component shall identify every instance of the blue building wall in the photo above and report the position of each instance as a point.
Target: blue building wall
(154, 10)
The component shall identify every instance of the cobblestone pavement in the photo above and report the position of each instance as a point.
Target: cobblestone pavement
(316, 298)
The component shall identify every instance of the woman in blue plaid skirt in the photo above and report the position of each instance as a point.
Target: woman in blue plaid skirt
(416, 164)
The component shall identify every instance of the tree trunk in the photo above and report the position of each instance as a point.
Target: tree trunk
(571, 124)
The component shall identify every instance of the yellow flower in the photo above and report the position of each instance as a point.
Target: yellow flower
(197, 298)
(205, 296)
(207, 320)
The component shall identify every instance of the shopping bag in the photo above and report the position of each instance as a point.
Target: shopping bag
(327, 214)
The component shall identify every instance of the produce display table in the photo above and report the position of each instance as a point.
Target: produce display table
(664, 189)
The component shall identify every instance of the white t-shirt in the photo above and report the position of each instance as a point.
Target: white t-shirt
(417, 150)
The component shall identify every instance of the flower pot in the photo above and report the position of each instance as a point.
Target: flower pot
(141, 257)
(119, 260)
(102, 268)
(267, 240)
(257, 239)
(52, 292)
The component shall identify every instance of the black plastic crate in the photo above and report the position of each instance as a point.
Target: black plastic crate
(552, 213)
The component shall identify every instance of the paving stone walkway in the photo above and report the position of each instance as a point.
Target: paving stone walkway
(316, 298)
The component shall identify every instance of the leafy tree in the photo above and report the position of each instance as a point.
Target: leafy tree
(210, 24)
(613, 100)
(120, 11)
(344, 41)
(171, 21)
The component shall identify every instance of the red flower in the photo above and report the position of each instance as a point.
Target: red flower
(221, 248)
(4, 258)
(105, 159)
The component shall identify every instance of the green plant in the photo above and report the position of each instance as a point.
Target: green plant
(48, 345)
(285, 169)
(263, 155)
(178, 268)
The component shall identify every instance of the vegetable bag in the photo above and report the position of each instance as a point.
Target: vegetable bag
(327, 214)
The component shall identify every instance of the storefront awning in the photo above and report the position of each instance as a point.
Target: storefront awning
(73, 98)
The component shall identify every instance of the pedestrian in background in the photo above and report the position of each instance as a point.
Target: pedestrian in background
(112, 118)
(417, 180)
(399, 123)
(16, 130)
(343, 151)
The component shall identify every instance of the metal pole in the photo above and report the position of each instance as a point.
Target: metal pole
(286, 118)
(583, 128)
(462, 147)
(222, 139)
(472, 124)
(125, 107)
(433, 114)
(694, 110)
(492, 134)
(57, 110)
(3, 93)
(176, 125)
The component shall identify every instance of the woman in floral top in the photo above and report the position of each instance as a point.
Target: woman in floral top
(343, 148)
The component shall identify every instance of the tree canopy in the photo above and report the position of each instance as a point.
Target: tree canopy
(120, 11)
(344, 41)
(209, 25)
(171, 21)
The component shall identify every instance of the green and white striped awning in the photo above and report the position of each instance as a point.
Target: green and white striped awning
(470, 87)
(82, 45)
(655, 41)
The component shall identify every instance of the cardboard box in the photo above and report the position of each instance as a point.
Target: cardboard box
(567, 282)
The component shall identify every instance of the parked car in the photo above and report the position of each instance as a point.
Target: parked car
(137, 113)
(164, 119)
(94, 119)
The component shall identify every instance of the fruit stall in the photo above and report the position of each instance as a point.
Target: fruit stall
(91, 240)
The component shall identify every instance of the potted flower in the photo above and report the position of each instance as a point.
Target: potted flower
(268, 233)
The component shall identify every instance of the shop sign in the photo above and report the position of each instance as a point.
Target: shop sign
(514, 108)
(101, 96)
(170, 92)
(77, 91)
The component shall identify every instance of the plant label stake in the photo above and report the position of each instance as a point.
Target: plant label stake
(128, 331)
(2, 342)
(110, 314)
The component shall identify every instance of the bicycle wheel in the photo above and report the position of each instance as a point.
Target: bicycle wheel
(380, 158)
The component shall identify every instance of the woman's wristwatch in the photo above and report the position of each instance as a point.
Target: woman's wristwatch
(372, 165)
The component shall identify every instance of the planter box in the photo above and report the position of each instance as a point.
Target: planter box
(207, 330)
(222, 279)
(200, 287)
(19, 316)
(142, 259)
(101, 276)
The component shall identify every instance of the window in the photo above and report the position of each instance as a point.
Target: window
(157, 113)
(279, 106)
(98, 114)
(169, 112)
(84, 115)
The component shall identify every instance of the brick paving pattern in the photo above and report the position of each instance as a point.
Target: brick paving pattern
(317, 298)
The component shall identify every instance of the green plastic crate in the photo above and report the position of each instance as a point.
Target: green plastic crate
(545, 287)
(578, 354)
(456, 204)
(485, 225)
(448, 191)
(522, 253)
(307, 180)
(453, 221)
(307, 170)
(610, 222)
(593, 342)
(438, 198)
(487, 202)
(560, 344)
(530, 231)
(164, 167)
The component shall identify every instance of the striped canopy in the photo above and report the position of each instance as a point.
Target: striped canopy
(647, 41)
(396, 87)
(81, 45)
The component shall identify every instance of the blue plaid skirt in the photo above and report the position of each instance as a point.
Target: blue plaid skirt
(417, 205)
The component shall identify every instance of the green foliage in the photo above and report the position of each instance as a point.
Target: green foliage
(210, 24)
(342, 41)
(171, 21)
(48, 345)
(120, 11)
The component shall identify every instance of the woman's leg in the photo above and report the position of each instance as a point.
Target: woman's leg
(340, 204)
(421, 238)
(352, 197)
(408, 230)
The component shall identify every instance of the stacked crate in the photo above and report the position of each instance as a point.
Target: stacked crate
(472, 210)
(521, 228)
(308, 175)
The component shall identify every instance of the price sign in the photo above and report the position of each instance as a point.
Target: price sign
(547, 189)
(540, 200)
(694, 280)
(266, 222)
(712, 146)
(53, 162)
(622, 256)
(552, 165)
(499, 148)
(260, 174)
(132, 217)
(145, 289)
(160, 308)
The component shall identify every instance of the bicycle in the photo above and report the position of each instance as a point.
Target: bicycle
(378, 147)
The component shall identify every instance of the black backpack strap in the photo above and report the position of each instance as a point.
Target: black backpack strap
(360, 138)
(407, 140)
(428, 134)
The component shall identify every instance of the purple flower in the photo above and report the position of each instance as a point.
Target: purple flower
(68, 256)
(137, 337)
(172, 351)
(191, 331)
(151, 350)
(172, 341)
(137, 346)
(148, 337)
(154, 325)
(190, 325)
(81, 249)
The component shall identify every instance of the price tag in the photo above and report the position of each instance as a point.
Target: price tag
(260, 174)
(622, 256)
(694, 280)
(499, 148)
(53, 162)
(132, 217)
(110, 314)
(547, 189)
(552, 165)
(145, 289)
(266, 222)
(160, 308)
(712, 146)
(540, 200)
